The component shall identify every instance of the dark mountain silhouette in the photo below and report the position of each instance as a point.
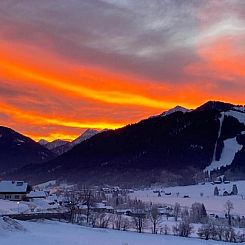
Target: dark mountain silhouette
(17, 150)
(178, 146)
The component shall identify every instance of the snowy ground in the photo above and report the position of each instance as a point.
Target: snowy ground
(8, 207)
(50, 233)
(213, 204)
(38, 205)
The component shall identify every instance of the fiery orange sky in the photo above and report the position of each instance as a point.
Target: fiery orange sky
(66, 66)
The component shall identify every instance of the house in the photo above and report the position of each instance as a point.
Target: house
(102, 208)
(37, 195)
(13, 190)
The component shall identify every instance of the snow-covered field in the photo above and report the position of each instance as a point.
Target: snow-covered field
(197, 193)
(52, 233)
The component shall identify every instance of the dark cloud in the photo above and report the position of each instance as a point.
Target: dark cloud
(149, 38)
(128, 36)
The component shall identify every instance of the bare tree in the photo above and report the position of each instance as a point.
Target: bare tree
(185, 213)
(154, 218)
(228, 208)
(73, 198)
(117, 221)
(220, 231)
(166, 230)
(125, 223)
(139, 215)
(204, 231)
(103, 220)
(230, 234)
(88, 199)
(207, 231)
(177, 210)
(184, 228)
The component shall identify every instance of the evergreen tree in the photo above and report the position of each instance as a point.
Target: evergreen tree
(216, 191)
(234, 190)
(203, 211)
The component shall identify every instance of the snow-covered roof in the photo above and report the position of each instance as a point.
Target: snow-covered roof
(103, 206)
(37, 194)
(8, 186)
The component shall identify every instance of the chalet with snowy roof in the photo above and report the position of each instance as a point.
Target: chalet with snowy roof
(13, 190)
(37, 195)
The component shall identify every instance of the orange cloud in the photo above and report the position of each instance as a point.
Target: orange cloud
(78, 96)
(222, 58)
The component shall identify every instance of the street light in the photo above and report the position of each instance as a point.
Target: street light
(18, 206)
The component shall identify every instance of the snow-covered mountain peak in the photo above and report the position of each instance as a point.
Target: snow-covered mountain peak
(43, 142)
(175, 109)
(85, 135)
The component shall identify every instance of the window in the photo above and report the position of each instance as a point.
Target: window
(7, 196)
(17, 197)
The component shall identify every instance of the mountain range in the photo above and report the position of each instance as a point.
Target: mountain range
(174, 147)
(61, 146)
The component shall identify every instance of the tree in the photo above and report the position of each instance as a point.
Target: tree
(224, 178)
(228, 208)
(184, 228)
(103, 220)
(234, 190)
(230, 234)
(117, 222)
(220, 231)
(154, 218)
(198, 212)
(216, 191)
(204, 231)
(139, 215)
(73, 198)
(166, 230)
(185, 213)
(177, 210)
(88, 199)
(207, 231)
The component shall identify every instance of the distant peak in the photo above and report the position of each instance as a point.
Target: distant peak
(43, 142)
(215, 105)
(87, 134)
(90, 130)
(175, 109)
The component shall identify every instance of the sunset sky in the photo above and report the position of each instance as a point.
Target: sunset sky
(68, 65)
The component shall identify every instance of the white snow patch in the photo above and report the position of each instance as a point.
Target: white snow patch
(175, 109)
(221, 120)
(240, 116)
(231, 147)
(20, 141)
(45, 185)
(240, 108)
(213, 204)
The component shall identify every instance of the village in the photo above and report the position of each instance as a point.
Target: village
(156, 210)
